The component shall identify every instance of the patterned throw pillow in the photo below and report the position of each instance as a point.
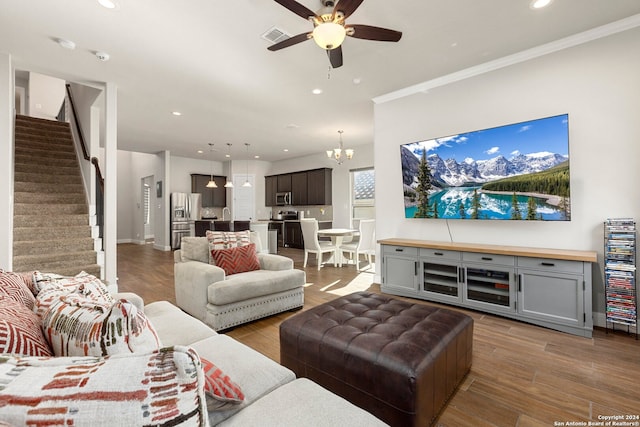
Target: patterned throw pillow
(13, 286)
(20, 332)
(236, 260)
(75, 326)
(83, 285)
(221, 391)
(226, 240)
(161, 388)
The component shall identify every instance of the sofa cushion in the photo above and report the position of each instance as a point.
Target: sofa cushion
(13, 286)
(20, 332)
(313, 406)
(243, 286)
(221, 391)
(194, 249)
(236, 260)
(255, 374)
(160, 388)
(174, 326)
(75, 326)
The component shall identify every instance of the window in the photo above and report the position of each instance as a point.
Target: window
(363, 193)
(146, 202)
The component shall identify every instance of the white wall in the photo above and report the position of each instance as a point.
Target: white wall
(46, 94)
(6, 161)
(597, 84)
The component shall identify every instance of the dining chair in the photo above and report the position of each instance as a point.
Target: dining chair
(313, 245)
(365, 245)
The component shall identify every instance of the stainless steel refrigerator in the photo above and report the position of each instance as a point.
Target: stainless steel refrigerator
(185, 210)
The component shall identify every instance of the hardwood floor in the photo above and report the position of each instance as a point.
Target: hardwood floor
(522, 375)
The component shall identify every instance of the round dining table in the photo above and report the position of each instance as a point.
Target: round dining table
(337, 235)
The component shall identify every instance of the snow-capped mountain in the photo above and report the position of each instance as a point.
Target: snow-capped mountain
(455, 173)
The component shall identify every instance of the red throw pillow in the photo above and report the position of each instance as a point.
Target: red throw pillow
(20, 332)
(236, 260)
(13, 286)
(221, 391)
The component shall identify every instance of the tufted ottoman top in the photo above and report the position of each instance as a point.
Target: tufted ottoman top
(387, 349)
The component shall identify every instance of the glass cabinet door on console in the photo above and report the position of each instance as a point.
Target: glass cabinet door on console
(441, 274)
(490, 281)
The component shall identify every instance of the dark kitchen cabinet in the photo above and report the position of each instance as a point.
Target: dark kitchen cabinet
(284, 182)
(211, 197)
(319, 186)
(293, 235)
(312, 187)
(299, 188)
(270, 190)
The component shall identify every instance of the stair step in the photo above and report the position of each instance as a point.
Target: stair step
(44, 153)
(46, 247)
(48, 198)
(50, 209)
(71, 170)
(48, 188)
(21, 234)
(26, 160)
(68, 264)
(46, 177)
(48, 222)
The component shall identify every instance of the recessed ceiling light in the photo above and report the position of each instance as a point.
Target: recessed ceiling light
(176, 113)
(316, 91)
(357, 81)
(539, 4)
(200, 152)
(286, 150)
(108, 4)
(67, 44)
(256, 157)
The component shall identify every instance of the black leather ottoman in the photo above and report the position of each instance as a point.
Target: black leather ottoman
(399, 361)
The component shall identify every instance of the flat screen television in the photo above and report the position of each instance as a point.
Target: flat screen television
(518, 171)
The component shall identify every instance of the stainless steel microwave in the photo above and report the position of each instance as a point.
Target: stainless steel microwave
(283, 198)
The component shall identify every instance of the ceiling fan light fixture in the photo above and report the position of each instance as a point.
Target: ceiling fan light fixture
(329, 35)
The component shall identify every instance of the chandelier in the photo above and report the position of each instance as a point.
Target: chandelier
(336, 153)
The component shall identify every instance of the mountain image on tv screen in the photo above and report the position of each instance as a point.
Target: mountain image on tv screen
(514, 172)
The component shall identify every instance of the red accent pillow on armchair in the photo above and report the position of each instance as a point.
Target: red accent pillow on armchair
(237, 260)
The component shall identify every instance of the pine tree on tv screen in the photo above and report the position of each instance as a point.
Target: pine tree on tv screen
(514, 172)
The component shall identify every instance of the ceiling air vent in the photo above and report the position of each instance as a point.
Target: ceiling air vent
(275, 35)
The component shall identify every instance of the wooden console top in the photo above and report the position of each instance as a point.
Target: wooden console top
(565, 254)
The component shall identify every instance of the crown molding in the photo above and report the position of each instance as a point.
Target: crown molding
(525, 55)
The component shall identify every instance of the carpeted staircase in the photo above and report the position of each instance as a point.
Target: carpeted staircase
(51, 231)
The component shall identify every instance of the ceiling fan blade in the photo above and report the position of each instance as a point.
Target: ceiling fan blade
(297, 8)
(347, 7)
(290, 41)
(335, 57)
(368, 32)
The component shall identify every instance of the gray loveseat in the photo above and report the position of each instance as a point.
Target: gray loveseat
(222, 302)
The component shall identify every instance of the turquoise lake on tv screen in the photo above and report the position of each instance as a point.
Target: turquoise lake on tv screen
(493, 206)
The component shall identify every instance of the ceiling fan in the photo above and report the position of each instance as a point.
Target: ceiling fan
(330, 28)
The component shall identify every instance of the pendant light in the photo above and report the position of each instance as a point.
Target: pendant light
(211, 183)
(336, 153)
(246, 182)
(229, 183)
